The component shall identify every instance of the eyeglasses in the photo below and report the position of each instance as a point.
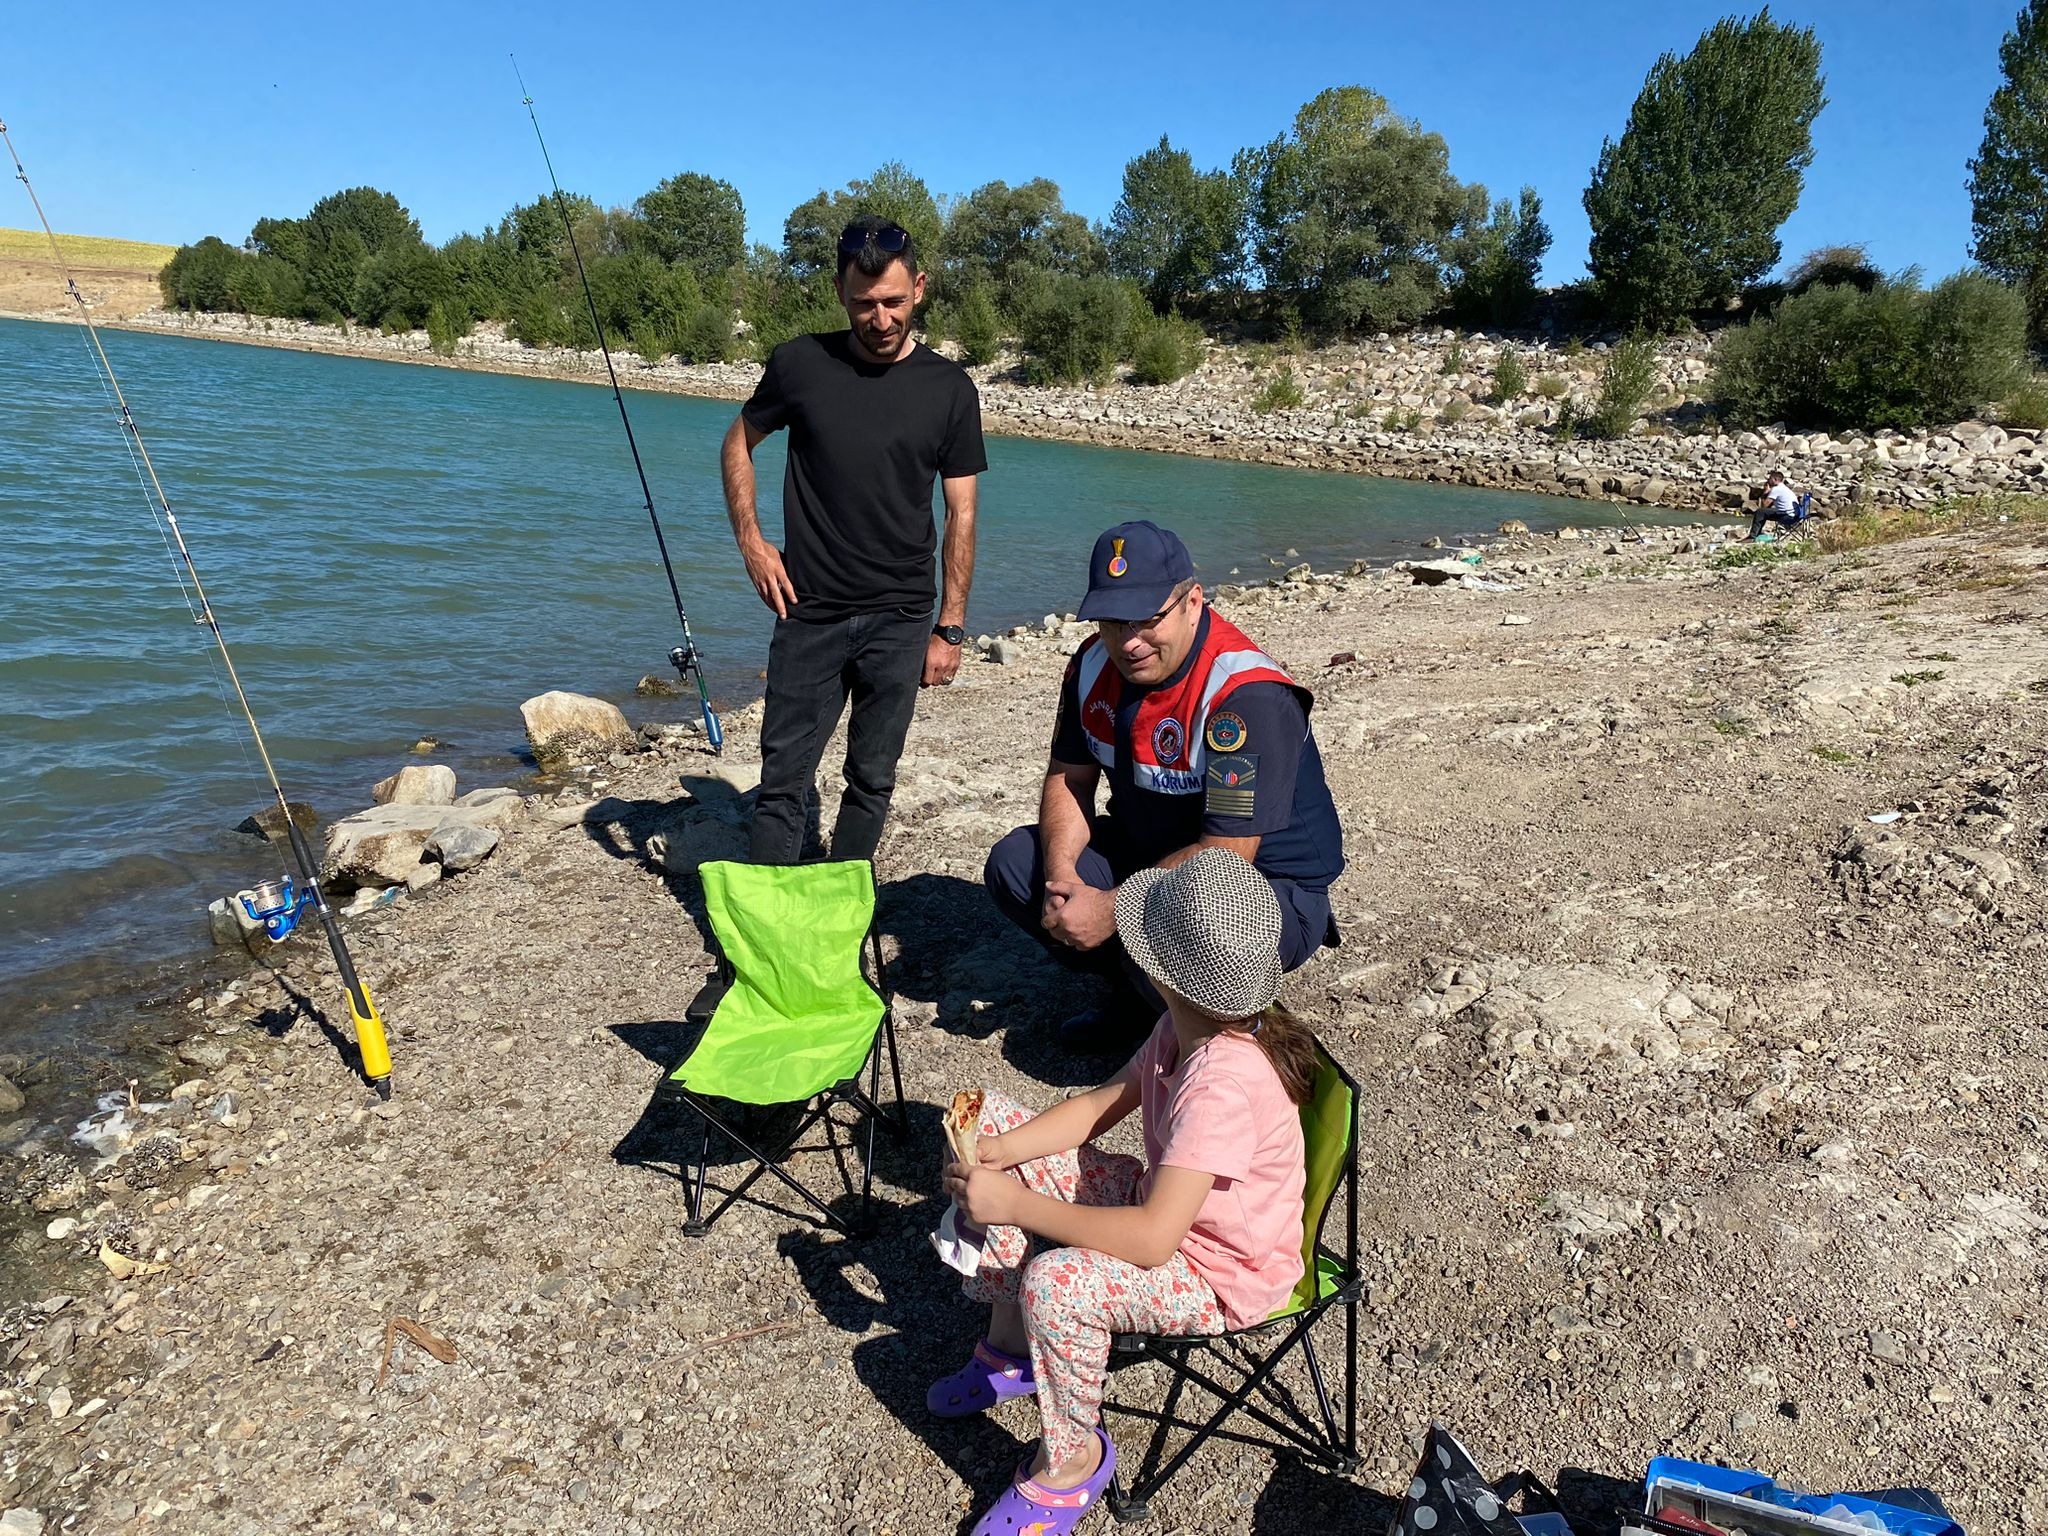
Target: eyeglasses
(1125, 626)
(890, 239)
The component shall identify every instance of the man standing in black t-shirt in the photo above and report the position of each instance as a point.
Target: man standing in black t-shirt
(873, 419)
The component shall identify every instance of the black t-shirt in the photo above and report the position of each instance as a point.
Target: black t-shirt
(866, 442)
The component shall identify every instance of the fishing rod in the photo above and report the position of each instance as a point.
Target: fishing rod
(683, 658)
(277, 904)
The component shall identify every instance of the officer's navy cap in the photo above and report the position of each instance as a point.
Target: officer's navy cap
(1134, 570)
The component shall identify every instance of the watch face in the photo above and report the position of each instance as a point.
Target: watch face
(952, 634)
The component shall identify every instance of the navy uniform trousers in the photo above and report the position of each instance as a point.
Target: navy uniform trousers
(1015, 876)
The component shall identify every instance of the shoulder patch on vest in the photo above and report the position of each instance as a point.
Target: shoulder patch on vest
(1232, 785)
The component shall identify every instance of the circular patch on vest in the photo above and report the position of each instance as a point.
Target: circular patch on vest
(1226, 732)
(1168, 741)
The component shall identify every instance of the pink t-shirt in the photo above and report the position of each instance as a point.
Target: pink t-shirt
(1224, 1112)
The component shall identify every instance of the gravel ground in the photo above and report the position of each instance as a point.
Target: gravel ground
(1701, 1111)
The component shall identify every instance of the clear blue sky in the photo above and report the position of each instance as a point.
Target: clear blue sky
(168, 123)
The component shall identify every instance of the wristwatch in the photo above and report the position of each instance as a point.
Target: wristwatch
(952, 634)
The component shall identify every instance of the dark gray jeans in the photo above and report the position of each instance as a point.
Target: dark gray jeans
(877, 661)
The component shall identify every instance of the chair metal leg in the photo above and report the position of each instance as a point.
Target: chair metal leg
(1127, 1510)
(1351, 1383)
(1315, 1375)
(694, 1225)
(897, 1123)
(867, 1162)
(762, 1165)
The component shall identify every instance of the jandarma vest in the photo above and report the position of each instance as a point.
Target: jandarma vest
(1179, 724)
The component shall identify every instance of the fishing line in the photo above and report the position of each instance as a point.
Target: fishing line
(684, 657)
(220, 682)
(277, 904)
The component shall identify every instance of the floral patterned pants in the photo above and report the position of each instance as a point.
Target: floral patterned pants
(1074, 1299)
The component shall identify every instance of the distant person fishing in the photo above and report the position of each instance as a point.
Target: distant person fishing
(1781, 505)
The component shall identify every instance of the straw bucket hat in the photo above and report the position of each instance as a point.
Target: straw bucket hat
(1207, 929)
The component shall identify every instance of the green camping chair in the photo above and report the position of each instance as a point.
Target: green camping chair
(1330, 1280)
(798, 1026)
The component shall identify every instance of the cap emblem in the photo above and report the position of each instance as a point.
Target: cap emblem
(1117, 563)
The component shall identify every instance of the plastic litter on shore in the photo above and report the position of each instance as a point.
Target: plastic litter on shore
(1450, 1496)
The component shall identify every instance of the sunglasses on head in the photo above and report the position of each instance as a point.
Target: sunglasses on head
(888, 239)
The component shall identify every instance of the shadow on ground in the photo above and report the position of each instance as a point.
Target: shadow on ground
(955, 949)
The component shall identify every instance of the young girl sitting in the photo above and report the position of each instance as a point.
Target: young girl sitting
(1201, 1235)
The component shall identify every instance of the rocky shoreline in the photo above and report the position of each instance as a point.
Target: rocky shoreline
(1434, 384)
(1692, 972)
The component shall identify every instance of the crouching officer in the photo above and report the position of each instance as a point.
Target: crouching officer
(1206, 743)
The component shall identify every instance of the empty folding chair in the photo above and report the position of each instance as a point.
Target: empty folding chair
(801, 1024)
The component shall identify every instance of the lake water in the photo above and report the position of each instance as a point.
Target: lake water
(396, 551)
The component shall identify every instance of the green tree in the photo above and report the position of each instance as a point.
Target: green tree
(1354, 213)
(777, 303)
(697, 221)
(1002, 239)
(398, 287)
(1833, 264)
(1497, 262)
(1176, 231)
(1686, 206)
(810, 235)
(376, 218)
(202, 275)
(536, 227)
(332, 273)
(283, 238)
(2009, 177)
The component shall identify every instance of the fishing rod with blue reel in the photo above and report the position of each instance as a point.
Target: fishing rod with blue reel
(278, 904)
(689, 664)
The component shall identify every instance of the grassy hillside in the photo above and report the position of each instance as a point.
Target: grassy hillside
(85, 250)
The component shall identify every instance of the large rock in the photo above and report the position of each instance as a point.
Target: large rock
(269, 822)
(379, 846)
(566, 726)
(384, 845)
(495, 808)
(10, 1097)
(1433, 573)
(230, 923)
(419, 784)
(457, 846)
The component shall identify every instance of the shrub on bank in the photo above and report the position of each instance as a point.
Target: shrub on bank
(1166, 348)
(1894, 356)
(1510, 378)
(447, 323)
(977, 327)
(705, 336)
(1075, 328)
(2026, 406)
(1282, 393)
(1553, 386)
(1625, 384)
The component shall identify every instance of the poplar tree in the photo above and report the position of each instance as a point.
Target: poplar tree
(2009, 177)
(1686, 206)
(1175, 231)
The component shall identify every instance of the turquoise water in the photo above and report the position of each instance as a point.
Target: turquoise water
(398, 551)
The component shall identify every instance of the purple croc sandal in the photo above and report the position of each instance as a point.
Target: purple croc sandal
(1028, 1509)
(981, 1383)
